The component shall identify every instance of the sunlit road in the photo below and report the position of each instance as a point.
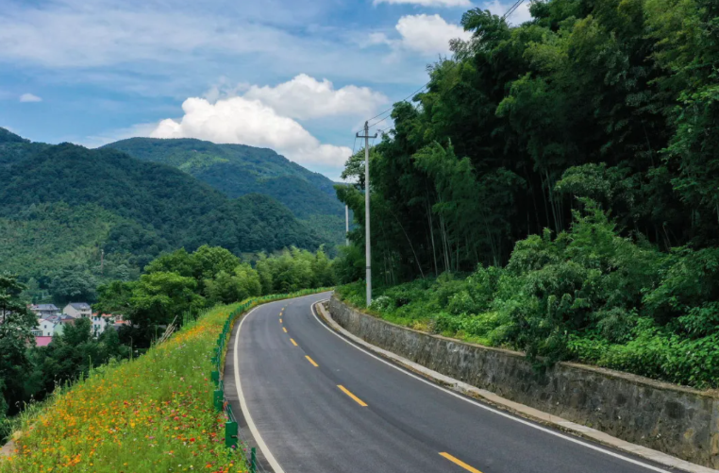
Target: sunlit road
(321, 405)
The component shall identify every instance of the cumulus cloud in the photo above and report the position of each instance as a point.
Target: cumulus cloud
(428, 34)
(305, 97)
(30, 98)
(428, 3)
(242, 120)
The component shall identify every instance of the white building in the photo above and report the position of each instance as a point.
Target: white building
(78, 310)
(46, 326)
(100, 322)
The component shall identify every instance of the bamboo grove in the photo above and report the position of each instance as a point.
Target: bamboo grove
(609, 100)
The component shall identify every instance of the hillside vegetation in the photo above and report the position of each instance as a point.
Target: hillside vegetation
(570, 167)
(238, 170)
(60, 206)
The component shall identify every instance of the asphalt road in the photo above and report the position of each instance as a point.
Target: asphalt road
(321, 405)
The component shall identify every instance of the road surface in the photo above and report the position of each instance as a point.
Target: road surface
(322, 405)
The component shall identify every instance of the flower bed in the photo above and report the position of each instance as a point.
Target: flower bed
(154, 413)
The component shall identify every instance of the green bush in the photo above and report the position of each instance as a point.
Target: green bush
(588, 295)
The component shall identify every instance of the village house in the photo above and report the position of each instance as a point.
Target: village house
(78, 310)
(46, 326)
(41, 341)
(100, 322)
(44, 310)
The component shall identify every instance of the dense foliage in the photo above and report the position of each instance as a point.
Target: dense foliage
(511, 161)
(177, 286)
(62, 206)
(238, 170)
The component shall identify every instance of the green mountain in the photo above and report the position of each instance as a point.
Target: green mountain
(14, 148)
(238, 170)
(62, 206)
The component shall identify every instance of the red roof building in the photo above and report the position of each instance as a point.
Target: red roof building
(42, 341)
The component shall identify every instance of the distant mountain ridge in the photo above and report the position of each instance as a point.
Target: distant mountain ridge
(61, 205)
(237, 170)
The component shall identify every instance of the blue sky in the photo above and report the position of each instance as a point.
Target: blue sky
(298, 76)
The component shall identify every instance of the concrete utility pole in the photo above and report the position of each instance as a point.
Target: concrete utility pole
(368, 251)
(347, 225)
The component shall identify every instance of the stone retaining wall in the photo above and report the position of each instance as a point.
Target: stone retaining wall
(680, 421)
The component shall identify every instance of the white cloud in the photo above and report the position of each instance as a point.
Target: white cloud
(428, 34)
(30, 98)
(429, 3)
(80, 34)
(305, 97)
(245, 121)
(519, 16)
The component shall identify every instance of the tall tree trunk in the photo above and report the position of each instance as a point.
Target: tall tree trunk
(411, 247)
(431, 233)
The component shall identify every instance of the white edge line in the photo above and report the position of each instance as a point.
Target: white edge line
(490, 409)
(243, 404)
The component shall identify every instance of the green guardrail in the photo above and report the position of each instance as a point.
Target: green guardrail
(233, 438)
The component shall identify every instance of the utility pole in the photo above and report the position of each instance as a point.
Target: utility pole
(102, 262)
(347, 225)
(368, 251)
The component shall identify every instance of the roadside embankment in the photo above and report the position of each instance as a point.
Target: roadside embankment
(153, 413)
(676, 420)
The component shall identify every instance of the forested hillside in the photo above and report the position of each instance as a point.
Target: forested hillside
(575, 159)
(61, 206)
(238, 170)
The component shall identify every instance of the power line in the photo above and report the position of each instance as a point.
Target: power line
(389, 110)
(513, 8)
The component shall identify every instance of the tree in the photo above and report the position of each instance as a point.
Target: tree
(158, 298)
(15, 335)
(73, 286)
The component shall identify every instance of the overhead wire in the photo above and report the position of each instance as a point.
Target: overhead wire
(513, 8)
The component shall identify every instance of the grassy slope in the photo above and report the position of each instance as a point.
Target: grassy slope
(151, 414)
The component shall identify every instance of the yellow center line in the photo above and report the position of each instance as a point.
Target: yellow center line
(293, 341)
(312, 361)
(459, 462)
(284, 329)
(280, 320)
(355, 398)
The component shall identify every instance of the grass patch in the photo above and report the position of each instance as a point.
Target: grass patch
(153, 413)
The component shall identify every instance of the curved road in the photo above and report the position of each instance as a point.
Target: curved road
(322, 405)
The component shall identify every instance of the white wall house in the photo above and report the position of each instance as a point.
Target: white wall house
(78, 310)
(45, 328)
(100, 322)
